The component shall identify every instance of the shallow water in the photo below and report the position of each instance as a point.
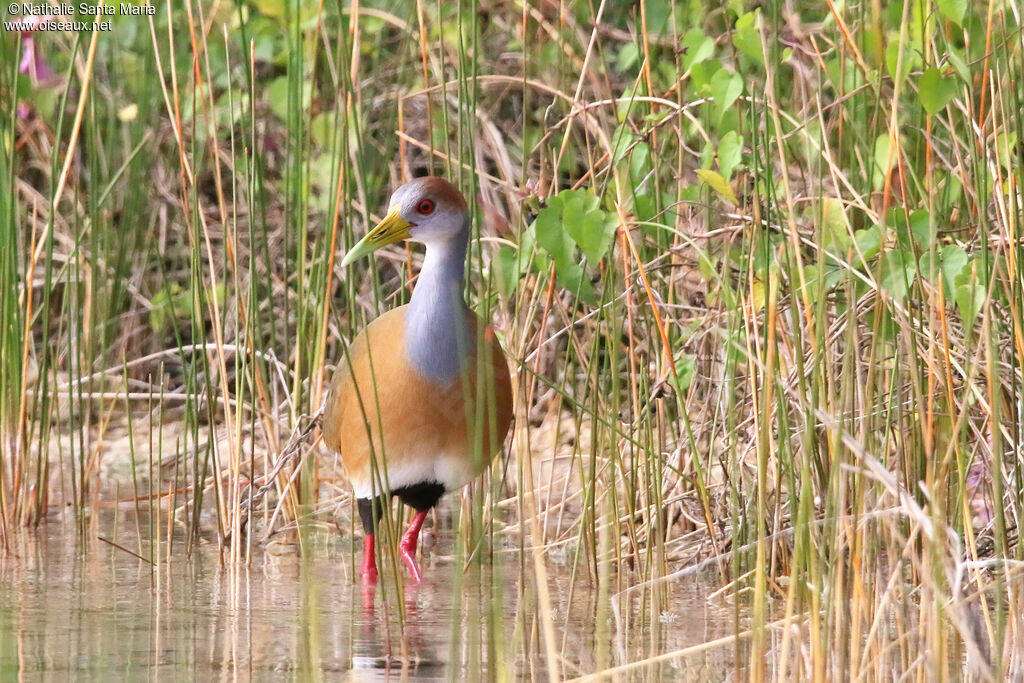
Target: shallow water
(73, 606)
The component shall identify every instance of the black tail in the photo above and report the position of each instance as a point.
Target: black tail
(420, 497)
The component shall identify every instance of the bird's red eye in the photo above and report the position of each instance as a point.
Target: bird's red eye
(425, 207)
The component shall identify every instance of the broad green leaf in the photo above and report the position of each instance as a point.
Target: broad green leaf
(701, 73)
(868, 241)
(882, 161)
(963, 71)
(948, 194)
(696, 47)
(834, 226)
(686, 368)
(1006, 148)
(628, 56)
(573, 211)
(954, 261)
(322, 128)
(574, 218)
(594, 234)
(717, 183)
(571, 277)
(169, 304)
(833, 277)
(829, 277)
(758, 293)
(506, 270)
(591, 228)
(915, 230)
(660, 19)
(726, 87)
(623, 140)
(551, 234)
(730, 153)
(922, 228)
(277, 95)
(953, 10)
(892, 58)
(640, 162)
(707, 154)
(811, 275)
(899, 275)
(528, 247)
(747, 36)
(644, 207)
(935, 91)
(707, 267)
(177, 303)
(270, 8)
(970, 298)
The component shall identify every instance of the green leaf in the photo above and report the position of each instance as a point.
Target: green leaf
(953, 10)
(747, 36)
(696, 47)
(730, 153)
(551, 235)
(935, 91)
(970, 298)
(574, 218)
(726, 87)
(623, 140)
(963, 71)
(892, 58)
(644, 207)
(594, 234)
(717, 183)
(686, 369)
(570, 276)
(954, 262)
(169, 304)
(270, 8)
(868, 242)
(628, 56)
(811, 275)
(1006, 148)
(899, 275)
(701, 73)
(506, 270)
(640, 162)
(922, 228)
(882, 161)
(277, 95)
(834, 226)
(948, 194)
(528, 250)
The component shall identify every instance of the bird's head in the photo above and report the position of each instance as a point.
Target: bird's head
(428, 210)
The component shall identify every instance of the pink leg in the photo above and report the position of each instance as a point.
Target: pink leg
(408, 545)
(369, 570)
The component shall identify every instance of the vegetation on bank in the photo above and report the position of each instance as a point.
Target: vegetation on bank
(758, 269)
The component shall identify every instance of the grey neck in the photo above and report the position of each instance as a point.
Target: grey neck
(436, 335)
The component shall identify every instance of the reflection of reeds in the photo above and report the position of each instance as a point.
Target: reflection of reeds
(843, 459)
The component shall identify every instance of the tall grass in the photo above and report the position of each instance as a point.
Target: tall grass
(795, 367)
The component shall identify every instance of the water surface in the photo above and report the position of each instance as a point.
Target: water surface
(73, 606)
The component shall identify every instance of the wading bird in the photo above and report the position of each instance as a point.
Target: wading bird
(423, 400)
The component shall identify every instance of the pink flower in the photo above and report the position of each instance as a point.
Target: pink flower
(32, 63)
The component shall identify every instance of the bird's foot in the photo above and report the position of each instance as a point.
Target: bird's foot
(369, 574)
(408, 544)
(409, 557)
(369, 597)
(369, 568)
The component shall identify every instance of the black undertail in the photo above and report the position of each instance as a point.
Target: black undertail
(419, 497)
